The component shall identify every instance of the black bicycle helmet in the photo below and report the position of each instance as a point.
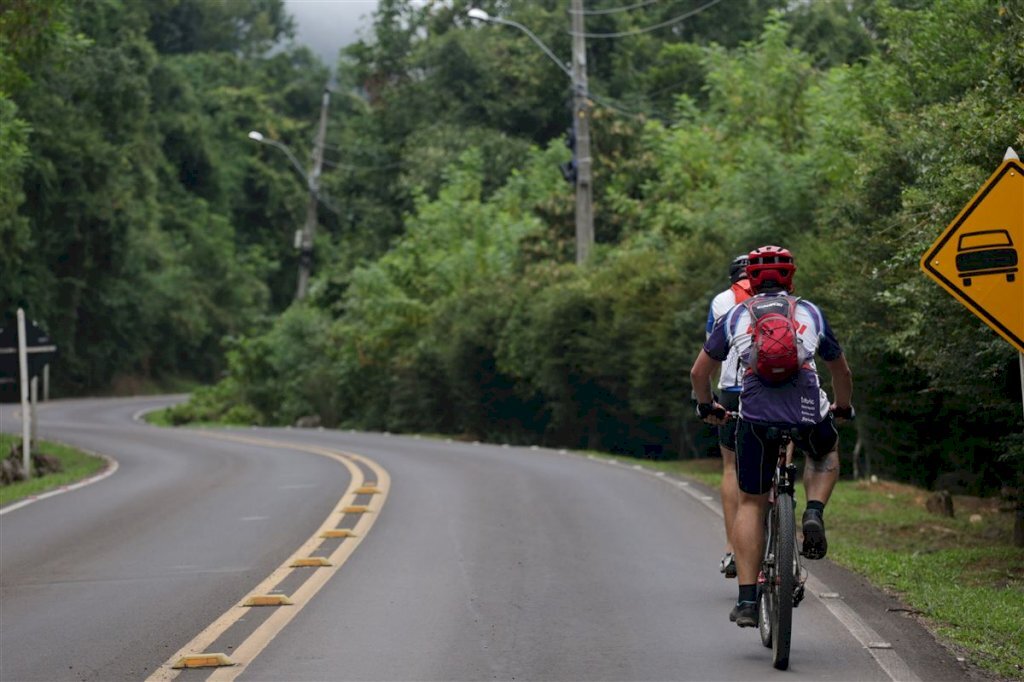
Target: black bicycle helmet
(738, 269)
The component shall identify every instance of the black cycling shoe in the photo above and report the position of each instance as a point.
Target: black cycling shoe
(728, 565)
(815, 543)
(744, 614)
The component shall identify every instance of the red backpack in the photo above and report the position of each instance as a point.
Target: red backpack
(775, 347)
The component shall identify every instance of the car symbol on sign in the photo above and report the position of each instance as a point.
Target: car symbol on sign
(987, 252)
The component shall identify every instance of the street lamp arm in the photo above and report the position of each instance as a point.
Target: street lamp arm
(255, 135)
(483, 16)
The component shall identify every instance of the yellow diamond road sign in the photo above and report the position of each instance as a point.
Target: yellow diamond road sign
(978, 257)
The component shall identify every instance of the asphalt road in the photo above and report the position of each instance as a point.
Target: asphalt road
(473, 562)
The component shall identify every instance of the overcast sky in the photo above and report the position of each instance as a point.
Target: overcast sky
(328, 25)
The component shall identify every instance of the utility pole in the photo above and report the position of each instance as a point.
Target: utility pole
(313, 182)
(581, 112)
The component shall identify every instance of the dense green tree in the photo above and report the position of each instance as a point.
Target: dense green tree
(249, 27)
(133, 209)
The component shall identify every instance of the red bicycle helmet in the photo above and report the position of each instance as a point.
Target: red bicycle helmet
(770, 266)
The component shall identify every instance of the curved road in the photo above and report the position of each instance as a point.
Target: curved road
(464, 562)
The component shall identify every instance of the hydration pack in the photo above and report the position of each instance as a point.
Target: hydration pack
(775, 348)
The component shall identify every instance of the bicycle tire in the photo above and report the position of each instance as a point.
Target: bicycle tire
(785, 544)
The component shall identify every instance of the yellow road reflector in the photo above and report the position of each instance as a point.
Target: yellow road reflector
(311, 561)
(203, 661)
(268, 600)
(356, 509)
(368, 490)
(338, 533)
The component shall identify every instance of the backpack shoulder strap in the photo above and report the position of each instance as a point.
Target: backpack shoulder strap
(740, 292)
(794, 301)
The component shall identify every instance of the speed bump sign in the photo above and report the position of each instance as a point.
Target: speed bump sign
(977, 258)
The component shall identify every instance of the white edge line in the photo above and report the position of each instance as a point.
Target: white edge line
(887, 659)
(112, 466)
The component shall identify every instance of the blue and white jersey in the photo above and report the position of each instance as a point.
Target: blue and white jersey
(801, 401)
(730, 378)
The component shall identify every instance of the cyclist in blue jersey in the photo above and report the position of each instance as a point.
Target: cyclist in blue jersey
(797, 402)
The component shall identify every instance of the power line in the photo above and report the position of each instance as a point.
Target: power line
(655, 27)
(616, 10)
(356, 167)
(653, 113)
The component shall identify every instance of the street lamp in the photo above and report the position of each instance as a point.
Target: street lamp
(260, 137)
(304, 237)
(577, 73)
(480, 15)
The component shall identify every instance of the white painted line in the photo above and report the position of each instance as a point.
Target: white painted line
(887, 658)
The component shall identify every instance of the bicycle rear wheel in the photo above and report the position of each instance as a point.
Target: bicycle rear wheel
(785, 543)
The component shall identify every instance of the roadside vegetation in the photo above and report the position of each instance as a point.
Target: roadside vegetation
(75, 466)
(445, 297)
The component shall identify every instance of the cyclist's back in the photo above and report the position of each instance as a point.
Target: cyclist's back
(800, 401)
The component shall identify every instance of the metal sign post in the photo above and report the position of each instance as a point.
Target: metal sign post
(26, 417)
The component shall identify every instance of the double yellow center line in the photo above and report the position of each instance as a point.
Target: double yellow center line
(195, 654)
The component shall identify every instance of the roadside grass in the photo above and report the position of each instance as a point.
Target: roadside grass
(160, 417)
(963, 578)
(165, 417)
(76, 466)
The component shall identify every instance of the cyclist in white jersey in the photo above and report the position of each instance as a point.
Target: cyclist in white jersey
(729, 385)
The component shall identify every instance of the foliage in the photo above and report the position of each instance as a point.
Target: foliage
(130, 195)
(153, 237)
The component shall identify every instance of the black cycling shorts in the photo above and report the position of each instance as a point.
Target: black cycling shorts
(730, 400)
(757, 453)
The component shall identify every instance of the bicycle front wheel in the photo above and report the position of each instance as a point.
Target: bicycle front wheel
(785, 543)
